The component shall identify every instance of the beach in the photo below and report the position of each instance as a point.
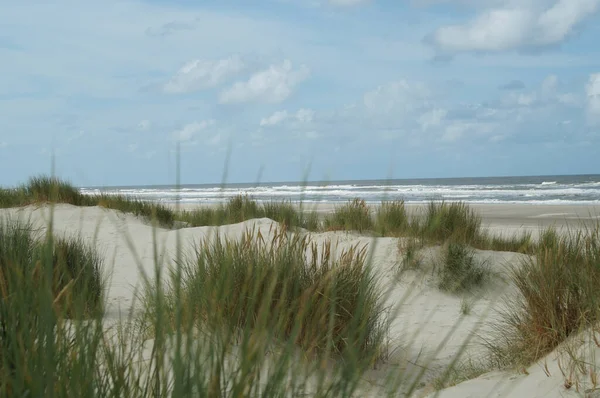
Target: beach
(425, 332)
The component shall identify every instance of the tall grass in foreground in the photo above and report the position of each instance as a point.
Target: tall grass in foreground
(43, 284)
(559, 295)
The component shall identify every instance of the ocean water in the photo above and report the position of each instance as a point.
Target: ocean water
(575, 189)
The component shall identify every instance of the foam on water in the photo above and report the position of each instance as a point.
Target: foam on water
(533, 190)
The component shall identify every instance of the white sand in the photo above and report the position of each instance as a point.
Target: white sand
(425, 334)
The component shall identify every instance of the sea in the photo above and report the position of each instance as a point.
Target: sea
(563, 189)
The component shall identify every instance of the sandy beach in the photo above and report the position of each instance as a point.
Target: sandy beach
(424, 334)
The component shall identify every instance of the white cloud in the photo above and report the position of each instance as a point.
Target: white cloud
(305, 115)
(274, 119)
(399, 95)
(459, 129)
(548, 93)
(593, 96)
(3, 145)
(215, 140)
(202, 74)
(301, 116)
(272, 85)
(312, 135)
(515, 26)
(432, 118)
(187, 132)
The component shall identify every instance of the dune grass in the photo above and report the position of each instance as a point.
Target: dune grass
(44, 283)
(454, 221)
(295, 289)
(558, 296)
(352, 216)
(44, 189)
(408, 249)
(459, 270)
(392, 219)
(242, 208)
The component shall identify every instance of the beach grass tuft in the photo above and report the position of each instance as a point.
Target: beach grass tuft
(558, 296)
(460, 271)
(352, 216)
(287, 287)
(47, 289)
(391, 218)
(454, 221)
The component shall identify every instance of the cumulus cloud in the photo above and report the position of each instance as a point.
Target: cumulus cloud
(202, 74)
(432, 118)
(302, 116)
(548, 93)
(189, 131)
(593, 97)
(398, 95)
(274, 119)
(272, 85)
(305, 115)
(515, 26)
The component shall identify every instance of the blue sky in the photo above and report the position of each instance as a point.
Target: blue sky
(354, 89)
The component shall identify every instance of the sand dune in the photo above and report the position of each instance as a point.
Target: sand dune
(428, 328)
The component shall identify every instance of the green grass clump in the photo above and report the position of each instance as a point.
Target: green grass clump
(160, 213)
(78, 266)
(242, 208)
(287, 289)
(460, 271)
(44, 189)
(558, 296)
(456, 221)
(522, 243)
(352, 216)
(391, 218)
(51, 189)
(409, 249)
(287, 214)
(42, 285)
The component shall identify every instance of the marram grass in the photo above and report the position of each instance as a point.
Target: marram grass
(47, 288)
(558, 296)
(298, 290)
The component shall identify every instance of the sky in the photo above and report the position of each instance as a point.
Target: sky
(287, 90)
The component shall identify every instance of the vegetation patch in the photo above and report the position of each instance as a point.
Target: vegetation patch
(558, 296)
(289, 288)
(42, 285)
(352, 216)
(460, 271)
